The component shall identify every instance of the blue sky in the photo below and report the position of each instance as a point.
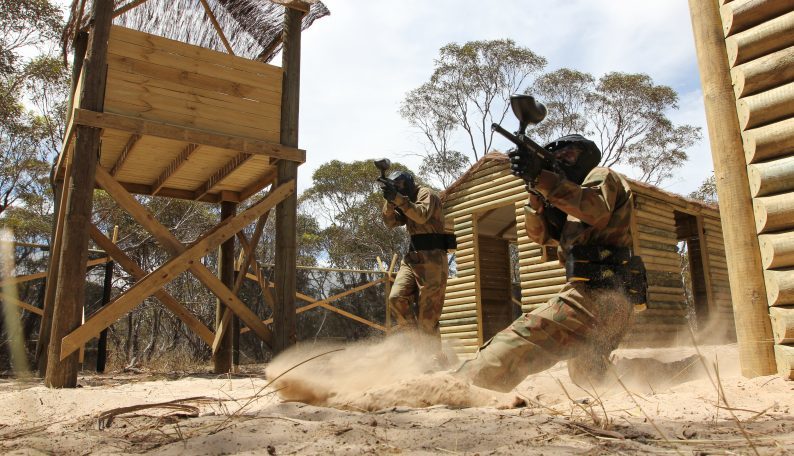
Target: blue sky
(358, 63)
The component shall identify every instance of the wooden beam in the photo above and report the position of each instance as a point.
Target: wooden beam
(217, 26)
(748, 292)
(128, 6)
(70, 291)
(248, 251)
(286, 211)
(175, 266)
(222, 352)
(173, 167)
(39, 275)
(138, 273)
(222, 174)
(144, 189)
(314, 303)
(300, 5)
(175, 248)
(8, 299)
(266, 179)
(125, 153)
(145, 127)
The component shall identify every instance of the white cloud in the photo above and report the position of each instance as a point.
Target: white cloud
(358, 63)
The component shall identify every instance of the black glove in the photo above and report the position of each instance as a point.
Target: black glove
(389, 192)
(525, 166)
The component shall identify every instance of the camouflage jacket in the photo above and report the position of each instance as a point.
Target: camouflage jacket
(598, 211)
(425, 215)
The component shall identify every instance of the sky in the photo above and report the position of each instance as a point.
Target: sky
(358, 63)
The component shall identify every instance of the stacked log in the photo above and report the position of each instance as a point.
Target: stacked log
(759, 37)
(490, 185)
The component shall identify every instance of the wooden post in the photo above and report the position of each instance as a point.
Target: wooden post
(79, 46)
(107, 285)
(70, 289)
(286, 211)
(222, 358)
(753, 327)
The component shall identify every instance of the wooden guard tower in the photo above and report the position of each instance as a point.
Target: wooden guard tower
(160, 117)
(745, 53)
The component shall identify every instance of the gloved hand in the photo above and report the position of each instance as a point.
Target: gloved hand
(389, 192)
(524, 166)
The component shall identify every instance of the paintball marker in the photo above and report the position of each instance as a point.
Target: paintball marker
(531, 158)
(383, 165)
(528, 111)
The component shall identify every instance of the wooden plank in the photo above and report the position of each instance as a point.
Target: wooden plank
(192, 116)
(252, 88)
(136, 83)
(173, 167)
(175, 266)
(197, 53)
(124, 53)
(190, 135)
(222, 174)
(134, 138)
(126, 263)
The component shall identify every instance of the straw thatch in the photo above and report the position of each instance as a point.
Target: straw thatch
(252, 27)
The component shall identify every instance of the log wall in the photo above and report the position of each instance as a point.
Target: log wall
(490, 185)
(759, 37)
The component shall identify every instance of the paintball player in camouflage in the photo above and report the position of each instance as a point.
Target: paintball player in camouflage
(423, 270)
(585, 212)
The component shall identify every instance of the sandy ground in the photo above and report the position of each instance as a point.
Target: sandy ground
(664, 405)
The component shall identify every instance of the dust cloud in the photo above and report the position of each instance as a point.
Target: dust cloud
(398, 371)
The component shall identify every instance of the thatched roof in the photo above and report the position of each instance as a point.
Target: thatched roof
(499, 157)
(252, 27)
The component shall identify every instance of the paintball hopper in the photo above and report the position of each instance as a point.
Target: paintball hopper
(528, 110)
(383, 165)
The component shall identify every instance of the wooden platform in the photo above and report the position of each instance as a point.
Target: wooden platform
(186, 122)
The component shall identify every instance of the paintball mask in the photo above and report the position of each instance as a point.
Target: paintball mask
(404, 182)
(589, 156)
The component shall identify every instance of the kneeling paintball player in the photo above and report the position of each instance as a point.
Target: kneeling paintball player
(585, 212)
(424, 268)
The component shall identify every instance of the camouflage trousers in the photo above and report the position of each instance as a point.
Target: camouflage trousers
(422, 274)
(579, 324)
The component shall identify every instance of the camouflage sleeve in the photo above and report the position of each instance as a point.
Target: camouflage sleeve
(592, 202)
(537, 227)
(392, 218)
(420, 211)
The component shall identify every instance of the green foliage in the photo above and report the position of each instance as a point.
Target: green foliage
(625, 113)
(346, 199)
(467, 91)
(707, 191)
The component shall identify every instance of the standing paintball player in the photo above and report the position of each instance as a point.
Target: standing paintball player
(585, 212)
(424, 268)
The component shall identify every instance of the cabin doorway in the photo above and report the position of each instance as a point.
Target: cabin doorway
(497, 261)
(693, 274)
